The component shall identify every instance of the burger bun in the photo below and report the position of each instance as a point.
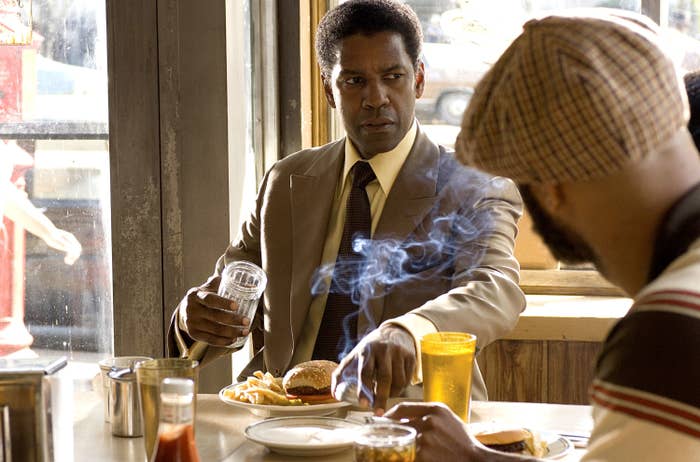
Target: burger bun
(310, 381)
(513, 440)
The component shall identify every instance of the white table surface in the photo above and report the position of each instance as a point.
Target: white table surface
(219, 430)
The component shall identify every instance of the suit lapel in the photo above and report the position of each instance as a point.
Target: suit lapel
(411, 197)
(312, 195)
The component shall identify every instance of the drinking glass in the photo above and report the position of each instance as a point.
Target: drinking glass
(149, 376)
(385, 442)
(243, 282)
(448, 359)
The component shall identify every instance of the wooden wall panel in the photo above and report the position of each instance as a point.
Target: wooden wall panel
(544, 371)
(515, 370)
(571, 370)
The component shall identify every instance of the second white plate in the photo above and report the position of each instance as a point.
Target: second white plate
(304, 436)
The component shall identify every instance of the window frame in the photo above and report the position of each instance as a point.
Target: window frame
(167, 231)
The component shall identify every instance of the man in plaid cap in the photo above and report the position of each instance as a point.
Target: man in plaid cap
(587, 114)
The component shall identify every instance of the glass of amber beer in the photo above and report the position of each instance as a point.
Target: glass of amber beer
(385, 442)
(448, 359)
(149, 376)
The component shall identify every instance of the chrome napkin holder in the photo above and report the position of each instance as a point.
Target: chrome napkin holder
(26, 416)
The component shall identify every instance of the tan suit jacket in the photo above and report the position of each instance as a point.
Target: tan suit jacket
(471, 286)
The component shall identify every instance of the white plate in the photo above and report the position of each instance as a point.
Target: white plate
(304, 436)
(557, 446)
(271, 410)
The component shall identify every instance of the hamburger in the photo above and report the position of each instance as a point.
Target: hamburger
(515, 440)
(310, 382)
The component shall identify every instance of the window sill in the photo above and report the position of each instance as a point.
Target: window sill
(566, 282)
(582, 318)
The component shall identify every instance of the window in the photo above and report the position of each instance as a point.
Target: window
(54, 165)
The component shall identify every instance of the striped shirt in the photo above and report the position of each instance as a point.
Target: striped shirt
(646, 395)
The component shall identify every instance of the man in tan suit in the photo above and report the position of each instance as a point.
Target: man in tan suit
(442, 234)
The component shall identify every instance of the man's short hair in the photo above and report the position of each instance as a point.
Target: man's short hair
(366, 17)
(577, 96)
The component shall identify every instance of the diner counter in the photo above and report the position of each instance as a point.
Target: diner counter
(219, 430)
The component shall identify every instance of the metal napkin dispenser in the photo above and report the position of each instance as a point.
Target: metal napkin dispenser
(26, 417)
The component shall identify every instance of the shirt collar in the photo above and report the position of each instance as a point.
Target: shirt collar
(386, 165)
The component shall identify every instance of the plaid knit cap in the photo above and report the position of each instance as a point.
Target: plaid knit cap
(575, 97)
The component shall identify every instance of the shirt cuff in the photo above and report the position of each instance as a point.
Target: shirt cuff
(195, 351)
(180, 323)
(190, 350)
(417, 326)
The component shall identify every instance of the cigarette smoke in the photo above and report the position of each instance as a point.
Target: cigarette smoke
(448, 244)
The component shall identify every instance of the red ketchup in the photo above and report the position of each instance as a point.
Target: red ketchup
(175, 441)
(176, 445)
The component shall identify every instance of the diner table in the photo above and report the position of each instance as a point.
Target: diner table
(219, 430)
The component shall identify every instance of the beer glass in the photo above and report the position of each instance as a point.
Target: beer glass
(448, 359)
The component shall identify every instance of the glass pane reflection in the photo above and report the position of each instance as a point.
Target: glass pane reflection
(55, 268)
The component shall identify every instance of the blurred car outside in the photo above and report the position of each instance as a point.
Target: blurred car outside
(450, 76)
(460, 45)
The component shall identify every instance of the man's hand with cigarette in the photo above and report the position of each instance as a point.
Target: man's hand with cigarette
(381, 366)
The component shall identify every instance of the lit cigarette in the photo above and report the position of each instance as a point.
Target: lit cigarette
(347, 392)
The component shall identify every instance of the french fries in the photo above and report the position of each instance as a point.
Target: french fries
(261, 389)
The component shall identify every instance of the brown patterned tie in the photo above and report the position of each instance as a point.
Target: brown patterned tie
(341, 313)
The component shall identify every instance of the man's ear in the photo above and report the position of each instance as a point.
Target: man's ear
(328, 91)
(420, 79)
(550, 196)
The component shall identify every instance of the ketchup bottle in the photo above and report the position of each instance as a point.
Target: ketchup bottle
(175, 441)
